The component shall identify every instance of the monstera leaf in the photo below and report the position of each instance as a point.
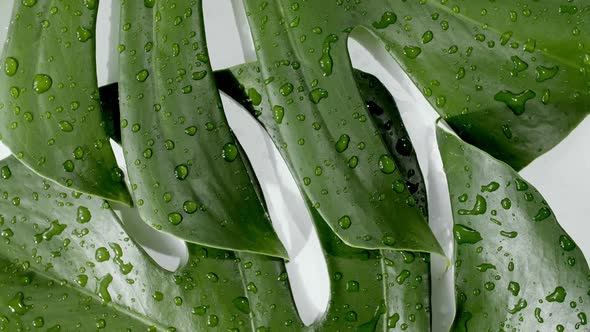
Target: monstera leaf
(187, 173)
(515, 266)
(49, 102)
(499, 72)
(68, 264)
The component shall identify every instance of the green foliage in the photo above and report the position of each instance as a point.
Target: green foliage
(498, 72)
(505, 83)
(49, 102)
(515, 266)
(184, 164)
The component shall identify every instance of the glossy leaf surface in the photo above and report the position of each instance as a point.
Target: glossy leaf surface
(49, 102)
(187, 173)
(67, 263)
(322, 127)
(516, 268)
(509, 77)
(406, 269)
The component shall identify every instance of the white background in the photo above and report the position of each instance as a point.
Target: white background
(562, 175)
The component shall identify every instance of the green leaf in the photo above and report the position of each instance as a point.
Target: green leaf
(491, 69)
(75, 254)
(515, 266)
(363, 212)
(188, 175)
(64, 254)
(49, 102)
(411, 270)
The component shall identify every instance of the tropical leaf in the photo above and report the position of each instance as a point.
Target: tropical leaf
(68, 264)
(516, 268)
(330, 143)
(187, 173)
(410, 269)
(49, 102)
(491, 69)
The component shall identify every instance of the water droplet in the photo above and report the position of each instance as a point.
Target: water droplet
(530, 45)
(427, 37)
(316, 95)
(191, 131)
(538, 315)
(83, 215)
(546, 73)
(16, 305)
(505, 37)
(254, 97)
(480, 207)
(558, 295)
(464, 234)
(149, 3)
(125, 268)
(542, 214)
(344, 222)
(506, 203)
(189, 207)
(5, 172)
(175, 218)
(491, 187)
(199, 75)
(117, 174)
(515, 102)
(522, 303)
(42, 83)
(352, 286)
(393, 320)
(566, 243)
(402, 277)
(412, 52)
(83, 34)
(388, 240)
(181, 172)
(212, 321)
(10, 66)
(53, 230)
(387, 164)
(514, 288)
(510, 235)
(353, 162)
(342, 143)
(29, 3)
(65, 126)
(518, 65)
(103, 288)
(230, 152)
(486, 266)
(286, 89)
(242, 304)
(251, 287)
(82, 280)
(142, 75)
(278, 113)
(102, 254)
(68, 166)
(387, 19)
(326, 62)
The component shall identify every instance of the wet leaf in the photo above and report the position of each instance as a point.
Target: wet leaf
(515, 266)
(66, 252)
(334, 177)
(496, 74)
(49, 102)
(187, 174)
